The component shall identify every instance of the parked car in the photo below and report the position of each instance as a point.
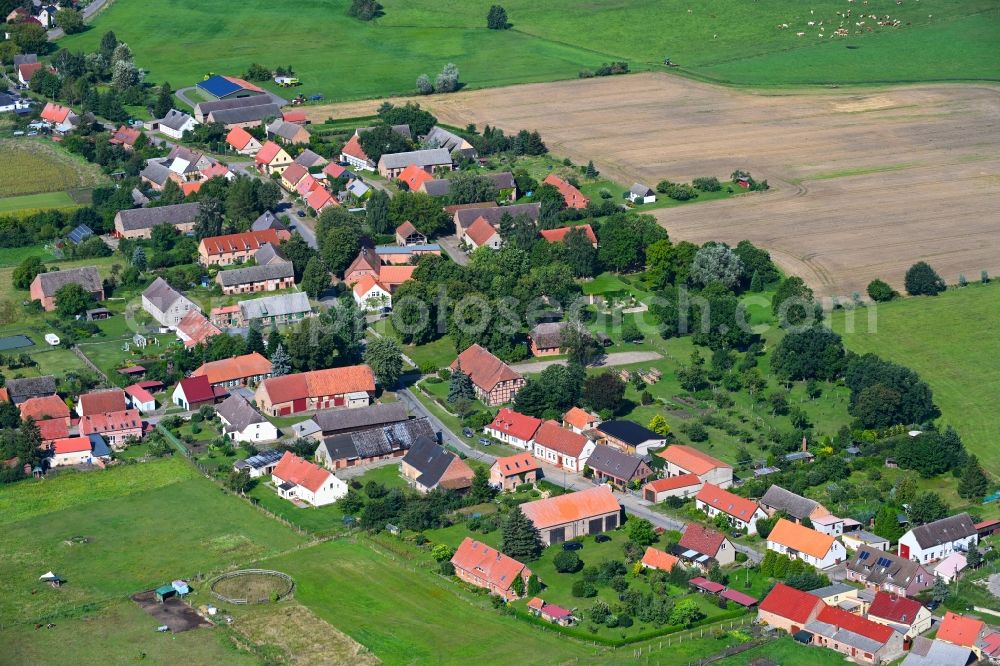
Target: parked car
(484, 441)
(467, 432)
(572, 545)
(602, 538)
(300, 213)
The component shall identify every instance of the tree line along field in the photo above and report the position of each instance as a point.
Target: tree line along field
(726, 40)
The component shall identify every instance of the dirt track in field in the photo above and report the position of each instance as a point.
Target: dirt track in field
(864, 183)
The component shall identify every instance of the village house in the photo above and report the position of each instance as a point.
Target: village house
(287, 133)
(563, 448)
(659, 560)
(368, 264)
(254, 279)
(698, 543)
(237, 248)
(280, 309)
(795, 507)
(319, 199)
(413, 177)
(165, 304)
(45, 285)
(741, 512)
(683, 459)
(244, 112)
(405, 254)
(571, 196)
(925, 652)
(368, 445)
(546, 339)
(971, 633)
(139, 222)
(272, 158)
(311, 160)
(407, 234)
(559, 234)
(242, 423)
(242, 141)
(504, 181)
(568, 516)
(950, 567)
(390, 165)
(799, 542)
(295, 478)
(788, 609)
(482, 234)
(845, 597)
(683, 486)
(62, 118)
(493, 381)
(580, 420)
(629, 437)
(267, 220)
(174, 124)
(52, 429)
(44, 407)
(125, 137)
(20, 389)
(117, 428)
(291, 176)
(509, 472)
(427, 466)
(354, 154)
(246, 370)
(226, 316)
(513, 428)
(862, 640)
(140, 398)
(194, 329)
(262, 464)
(641, 194)
(193, 392)
(371, 295)
(465, 216)
(856, 539)
(937, 540)
(439, 137)
(906, 616)
(101, 402)
(617, 468)
(347, 387)
(81, 450)
(26, 71)
(485, 567)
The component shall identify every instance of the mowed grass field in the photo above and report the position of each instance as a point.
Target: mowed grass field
(724, 40)
(951, 341)
(35, 166)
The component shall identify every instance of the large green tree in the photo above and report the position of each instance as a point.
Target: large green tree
(385, 358)
(71, 300)
(315, 279)
(922, 280)
(815, 353)
(519, 538)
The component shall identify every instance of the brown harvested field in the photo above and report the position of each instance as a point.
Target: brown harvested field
(864, 182)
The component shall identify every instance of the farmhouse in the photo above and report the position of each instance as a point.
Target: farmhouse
(698, 542)
(937, 540)
(62, 118)
(559, 234)
(291, 176)
(100, 402)
(139, 222)
(513, 428)
(546, 339)
(115, 427)
(194, 329)
(482, 566)
(174, 124)
(369, 264)
(580, 420)
(353, 154)
(427, 466)
(287, 133)
(551, 612)
(742, 513)
(272, 158)
(351, 386)
(683, 486)
(464, 216)
(907, 616)
(617, 468)
(331, 422)
(682, 459)
(193, 392)
(138, 397)
(253, 279)
(237, 248)
(509, 472)
(862, 640)
(795, 507)
(165, 304)
(572, 197)
(298, 479)
(241, 112)
(45, 285)
(565, 517)
(78, 451)
(280, 309)
(19, 390)
(52, 429)
(788, 609)
(391, 165)
(493, 381)
(246, 370)
(242, 423)
(629, 437)
(242, 141)
(482, 234)
(44, 407)
(504, 181)
(261, 464)
(370, 295)
(413, 176)
(562, 448)
(439, 137)
(369, 445)
(310, 160)
(798, 542)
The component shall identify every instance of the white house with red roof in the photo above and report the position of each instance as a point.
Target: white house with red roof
(561, 447)
(907, 616)
(514, 428)
(70, 451)
(242, 141)
(370, 294)
(683, 486)
(742, 513)
(482, 234)
(803, 543)
(298, 479)
(115, 427)
(698, 540)
(682, 459)
(580, 420)
(62, 117)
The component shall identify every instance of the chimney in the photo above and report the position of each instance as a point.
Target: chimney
(805, 445)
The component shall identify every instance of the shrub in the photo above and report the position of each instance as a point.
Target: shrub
(567, 561)
(583, 589)
(696, 432)
(707, 184)
(880, 291)
(922, 280)
(444, 374)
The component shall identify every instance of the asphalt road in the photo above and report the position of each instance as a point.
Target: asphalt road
(87, 12)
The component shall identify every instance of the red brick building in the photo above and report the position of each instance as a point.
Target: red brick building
(485, 567)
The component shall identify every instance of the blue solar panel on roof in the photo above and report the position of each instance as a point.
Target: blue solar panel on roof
(863, 556)
(218, 86)
(883, 562)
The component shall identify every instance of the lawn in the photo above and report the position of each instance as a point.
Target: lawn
(144, 524)
(786, 651)
(726, 40)
(52, 169)
(950, 340)
(12, 256)
(30, 203)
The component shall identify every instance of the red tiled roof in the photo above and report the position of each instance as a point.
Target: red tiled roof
(334, 170)
(319, 199)
(855, 623)
(488, 563)
(54, 113)
(658, 559)
(197, 389)
(301, 472)
(739, 597)
(406, 229)
(801, 538)
(242, 242)
(894, 608)
(791, 604)
(673, 483)
(100, 402)
(701, 539)
(703, 583)
(125, 136)
(215, 170)
(307, 185)
(559, 235)
(28, 70)
(553, 436)
(516, 424)
(71, 445)
(293, 116)
(238, 138)
(365, 285)
(139, 393)
(43, 407)
(267, 153)
(197, 328)
(353, 149)
(484, 369)
(51, 429)
(573, 197)
(235, 368)
(191, 187)
(294, 173)
(480, 231)
(727, 502)
(123, 420)
(691, 459)
(959, 629)
(243, 83)
(392, 276)
(581, 505)
(518, 463)
(579, 418)
(332, 381)
(414, 177)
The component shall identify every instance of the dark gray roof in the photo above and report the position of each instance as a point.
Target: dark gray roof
(285, 130)
(429, 459)
(844, 636)
(614, 463)
(879, 567)
(548, 335)
(175, 119)
(629, 432)
(422, 158)
(439, 187)
(138, 198)
(641, 190)
(796, 506)
(25, 59)
(308, 158)
(268, 254)
(161, 294)
(245, 114)
(945, 530)
(204, 108)
(20, 390)
(239, 413)
(147, 218)
(267, 220)
(467, 216)
(375, 442)
(439, 137)
(275, 306)
(155, 172)
(347, 420)
(86, 276)
(250, 274)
